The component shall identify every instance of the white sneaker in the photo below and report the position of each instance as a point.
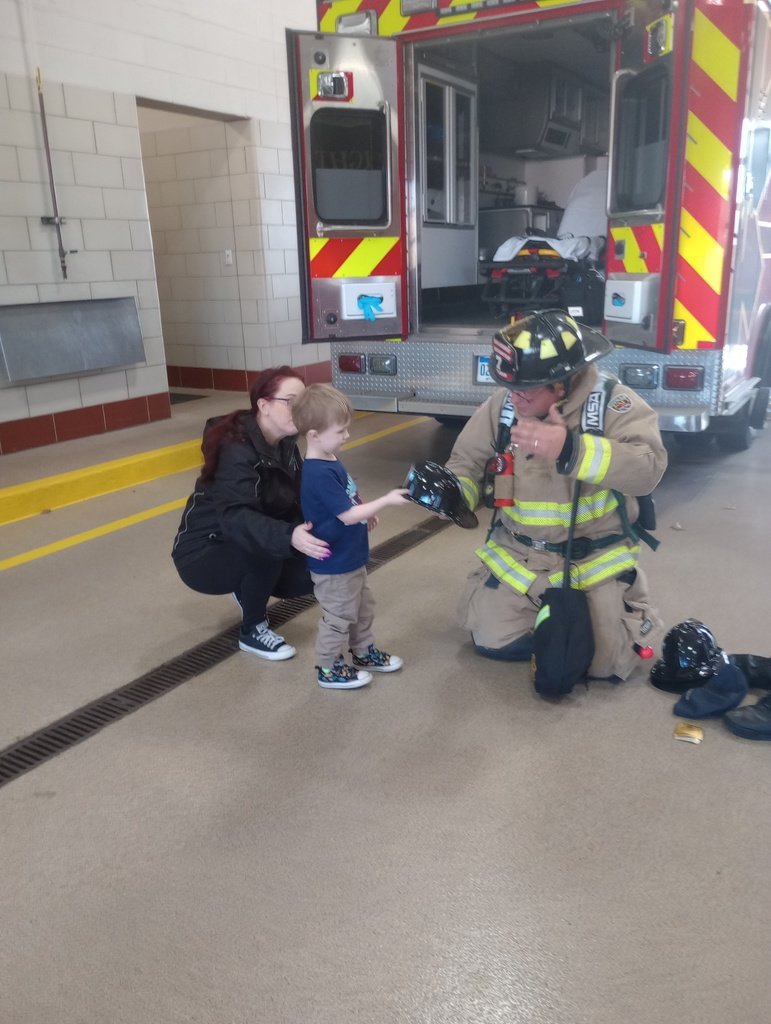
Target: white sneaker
(342, 677)
(376, 660)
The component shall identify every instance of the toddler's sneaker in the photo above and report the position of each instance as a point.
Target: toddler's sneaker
(262, 641)
(376, 660)
(342, 677)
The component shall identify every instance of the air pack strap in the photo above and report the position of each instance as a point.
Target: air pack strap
(593, 422)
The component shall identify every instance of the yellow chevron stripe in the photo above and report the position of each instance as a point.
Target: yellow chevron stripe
(329, 22)
(391, 22)
(365, 257)
(634, 263)
(700, 249)
(716, 55)
(633, 260)
(315, 245)
(708, 155)
(695, 331)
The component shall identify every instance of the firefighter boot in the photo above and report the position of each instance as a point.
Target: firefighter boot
(753, 721)
(757, 670)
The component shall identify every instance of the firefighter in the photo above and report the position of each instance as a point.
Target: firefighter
(558, 421)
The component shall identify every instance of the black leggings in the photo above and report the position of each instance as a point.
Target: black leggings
(225, 568)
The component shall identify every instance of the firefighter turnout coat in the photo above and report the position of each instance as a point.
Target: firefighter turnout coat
(502, 597)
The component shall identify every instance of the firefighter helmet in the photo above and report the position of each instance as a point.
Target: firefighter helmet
(690, 656)
(434, 487)
(542, 349)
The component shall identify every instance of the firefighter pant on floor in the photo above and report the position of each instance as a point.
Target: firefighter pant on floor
(347, 613)
(621, 616)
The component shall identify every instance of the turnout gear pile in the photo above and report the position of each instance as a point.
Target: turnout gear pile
(523, 553)
(690, 656)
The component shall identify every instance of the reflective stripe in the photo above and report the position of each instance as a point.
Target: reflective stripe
(470, 491)
(557, 513)
(596, 459)
(505, 568)
(595, 570)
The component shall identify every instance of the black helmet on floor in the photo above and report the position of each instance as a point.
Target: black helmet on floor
(542, 349)
(690, 656)
(436, 488)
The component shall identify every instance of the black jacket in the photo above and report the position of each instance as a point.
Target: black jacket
(253, 500)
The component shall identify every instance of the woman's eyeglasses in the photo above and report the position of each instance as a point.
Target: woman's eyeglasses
(289, 401)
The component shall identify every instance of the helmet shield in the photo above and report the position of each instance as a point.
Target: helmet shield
(437, 489)
(690, 656)
(542, 349)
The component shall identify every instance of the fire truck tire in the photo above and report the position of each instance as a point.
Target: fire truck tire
(694, 444)
(759, 411)
(762, 367)
(454, 422)
(738, 437)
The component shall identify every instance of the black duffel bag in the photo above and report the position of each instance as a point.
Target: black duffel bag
(563, 640)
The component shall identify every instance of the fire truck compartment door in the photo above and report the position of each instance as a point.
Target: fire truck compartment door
(631, 299)
(345, 121)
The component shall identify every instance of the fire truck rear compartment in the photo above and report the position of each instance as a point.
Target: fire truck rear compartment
(542, 104)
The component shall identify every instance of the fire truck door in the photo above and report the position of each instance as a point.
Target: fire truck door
(642, 163)
(345, 118)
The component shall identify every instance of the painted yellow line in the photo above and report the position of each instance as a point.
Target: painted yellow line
(99, 531)
(159, 510)
(384, 433)
(30, 499)
(36, 496)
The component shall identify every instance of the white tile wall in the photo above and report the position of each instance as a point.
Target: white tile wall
(200, 212)
(201, 175)
(95, 161)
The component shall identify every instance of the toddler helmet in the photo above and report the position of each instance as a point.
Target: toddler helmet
(690, 656)
(542, 349)
(437, 489)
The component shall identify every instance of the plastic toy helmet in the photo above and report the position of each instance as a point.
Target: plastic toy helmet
(437, 489)
(542, 349)
(690, 656)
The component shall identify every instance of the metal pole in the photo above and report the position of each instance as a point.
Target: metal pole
(56, 220)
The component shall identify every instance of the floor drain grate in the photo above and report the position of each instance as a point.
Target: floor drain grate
(89, 719)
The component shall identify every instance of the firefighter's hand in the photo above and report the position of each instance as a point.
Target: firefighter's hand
(544, 438)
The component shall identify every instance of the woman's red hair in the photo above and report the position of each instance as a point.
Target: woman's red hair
(229, 429)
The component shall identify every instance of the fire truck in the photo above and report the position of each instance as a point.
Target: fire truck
(439, 146)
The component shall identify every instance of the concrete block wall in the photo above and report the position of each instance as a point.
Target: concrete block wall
(96, 157)
(227, 58)
(222, 213)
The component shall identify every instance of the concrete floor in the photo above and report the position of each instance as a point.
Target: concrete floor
(441, 847)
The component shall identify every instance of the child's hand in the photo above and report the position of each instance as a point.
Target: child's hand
(372, 523)
(398, 496)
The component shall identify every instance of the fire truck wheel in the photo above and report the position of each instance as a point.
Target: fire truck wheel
(759, 411)
(738, 438)
(454, 422)
(694, 444)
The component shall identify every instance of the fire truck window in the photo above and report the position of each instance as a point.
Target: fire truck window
(448, 129)
(349, 166)
(642, 131)
(435, 165)
(463, 210)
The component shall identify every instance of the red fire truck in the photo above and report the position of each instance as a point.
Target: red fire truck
(444, 155)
